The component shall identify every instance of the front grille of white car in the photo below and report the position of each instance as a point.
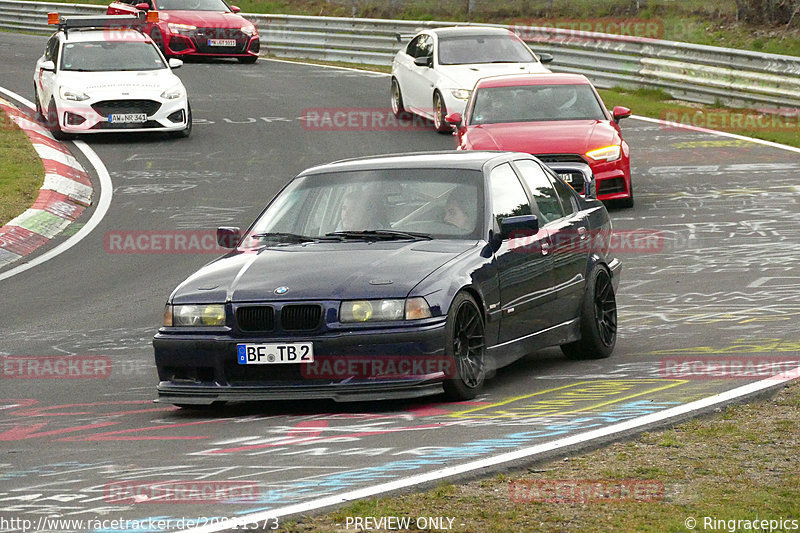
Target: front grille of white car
(109, 107)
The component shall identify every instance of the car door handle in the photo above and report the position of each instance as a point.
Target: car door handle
(582, 233)
(545, 247)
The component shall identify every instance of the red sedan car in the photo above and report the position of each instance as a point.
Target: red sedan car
(203, 28)
(559, 118)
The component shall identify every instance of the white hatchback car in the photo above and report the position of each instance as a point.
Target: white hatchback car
(101, 74)
(435, 73)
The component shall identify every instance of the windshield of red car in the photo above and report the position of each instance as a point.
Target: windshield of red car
(535, 103)
(471, 49)
(420, 200)
(105, 56)
(192, 5)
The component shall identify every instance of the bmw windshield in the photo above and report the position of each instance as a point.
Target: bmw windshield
(376, 204)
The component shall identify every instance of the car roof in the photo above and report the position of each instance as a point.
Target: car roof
(469, 31)
(79, 35)
(514, 80)
(468, 160)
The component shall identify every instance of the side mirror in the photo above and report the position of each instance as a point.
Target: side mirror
(620, 112)
(527, 224)
(144, 6)
(48, 66)
(174, 63)
(453, 119)
(229, 237)
(545, 58)
(425, 61)
(235, 9)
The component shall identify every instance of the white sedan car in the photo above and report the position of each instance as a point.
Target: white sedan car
(435, 73)
(99, 74)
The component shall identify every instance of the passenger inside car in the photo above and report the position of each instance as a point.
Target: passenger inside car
(461, 210)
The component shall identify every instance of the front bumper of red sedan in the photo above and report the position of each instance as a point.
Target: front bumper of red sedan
(212, 42)
(613, 179)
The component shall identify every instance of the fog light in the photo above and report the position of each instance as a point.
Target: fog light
(177, 116)
(71, 119)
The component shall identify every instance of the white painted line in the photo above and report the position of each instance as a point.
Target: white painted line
(522, 453)
(106, 192)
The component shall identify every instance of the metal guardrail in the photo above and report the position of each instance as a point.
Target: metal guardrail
(696, 73)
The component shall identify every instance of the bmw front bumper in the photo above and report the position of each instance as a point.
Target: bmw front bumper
(202, 369)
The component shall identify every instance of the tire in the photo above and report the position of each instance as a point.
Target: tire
(397, 99)
(51, 121)
(249, 60)
(185, 132)
(626, 202)
(439, 112)
(466, 344)
(39, 115)
(155, 34)
(598, 320)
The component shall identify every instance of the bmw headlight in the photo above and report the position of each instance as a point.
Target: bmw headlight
(194, 315)
(176, 91)
(461, 94)
(384, 310)
(177, 28)
(607, 153)
(249, 30)
(73, 95)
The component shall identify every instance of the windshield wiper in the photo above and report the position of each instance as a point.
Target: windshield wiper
(283, 237)
(380, 234)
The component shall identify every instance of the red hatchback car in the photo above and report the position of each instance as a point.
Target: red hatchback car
(559, 118)
(202, 28)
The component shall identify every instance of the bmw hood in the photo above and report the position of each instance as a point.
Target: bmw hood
(555, 137)
(120, 84)
(319, 271)
(465, 76)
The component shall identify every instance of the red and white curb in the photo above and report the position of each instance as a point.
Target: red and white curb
(66, 191)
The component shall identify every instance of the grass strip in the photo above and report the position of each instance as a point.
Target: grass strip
(737, 464)
(21, 170)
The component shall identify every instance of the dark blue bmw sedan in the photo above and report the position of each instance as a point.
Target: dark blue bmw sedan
(394, 277)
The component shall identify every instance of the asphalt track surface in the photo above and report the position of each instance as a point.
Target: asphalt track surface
(722, 282)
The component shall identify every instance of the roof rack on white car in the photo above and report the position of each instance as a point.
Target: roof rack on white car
(102, 21)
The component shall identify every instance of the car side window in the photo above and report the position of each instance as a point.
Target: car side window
(542, 188)
(50, 50)
(508, 196)
(413, 47)
(425, 46)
